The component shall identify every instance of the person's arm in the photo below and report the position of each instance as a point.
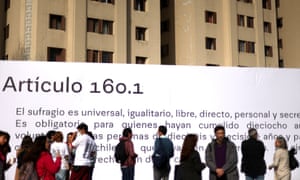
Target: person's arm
(231, 158)
(198, 165)
(209, 158)
(275, 160)
(51, 166)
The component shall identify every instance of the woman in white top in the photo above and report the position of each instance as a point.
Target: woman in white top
(58, 146)
(281, 160)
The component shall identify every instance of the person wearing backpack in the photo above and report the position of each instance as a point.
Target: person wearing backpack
(127, 168)
(163, 151)
(281, 160)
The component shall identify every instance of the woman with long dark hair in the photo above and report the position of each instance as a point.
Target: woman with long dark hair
(26, 144)
(191, 164)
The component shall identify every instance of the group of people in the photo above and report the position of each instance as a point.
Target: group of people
(221, 158)
(54, 159)
(49, 158)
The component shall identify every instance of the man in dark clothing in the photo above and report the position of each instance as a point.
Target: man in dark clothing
(253, 152)
(162, 141)
(221, 157)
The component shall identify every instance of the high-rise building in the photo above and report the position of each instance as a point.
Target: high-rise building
(289, 32)
(256, 33)
(118, 31)
(225, 33)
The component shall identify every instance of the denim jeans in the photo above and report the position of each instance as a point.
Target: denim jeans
(262, 177)
(127, 173)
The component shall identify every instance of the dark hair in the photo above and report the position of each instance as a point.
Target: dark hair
(189, 143)
(126, 132)
(83, 126)
(26, 142)
(162, 129)
(91, 135)
(58, 136)
(37, 148)
(5, 148)
(50, 134)
(219, 127)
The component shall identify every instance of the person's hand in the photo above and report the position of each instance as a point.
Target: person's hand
(220, 172)
(270, 167)
(12, 160)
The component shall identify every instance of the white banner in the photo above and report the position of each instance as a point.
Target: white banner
(41, 96)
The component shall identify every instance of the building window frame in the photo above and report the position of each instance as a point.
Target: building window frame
(267, 27)
(140, 33)
(140, 5)
(100, 26)
(210, 43)
(267, 4)
(57, 22)
(250, 22)
(211, 17)
(6, 31)
(268, 51)
(246, 46)
(56, 54)
(97, 56)
(241, 20)
(140, 60)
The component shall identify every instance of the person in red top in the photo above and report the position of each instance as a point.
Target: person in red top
(40, 155)
(127, 167)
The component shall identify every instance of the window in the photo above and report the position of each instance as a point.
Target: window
(277, 3)
(268, 51)
(250, 22)
(246, 1)
(280, 43)
(279, 23)
(140, 5)
(164, 4)
(210, 43)
(246, 46)
(165, 26)
(7, 4)
(240, 20)
(210, 17)
(266, 4)
(210, 64)
(56, 54)
(107, 27)
(99, 56)
(107, 1)
(140, 60)
(140, 33)
(99, 26)
(57, 22)
(164, 50)
(6, 32)
(281, 63)
(267, 27)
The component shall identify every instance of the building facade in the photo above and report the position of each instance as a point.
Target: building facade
(110, 31)
(181, 32)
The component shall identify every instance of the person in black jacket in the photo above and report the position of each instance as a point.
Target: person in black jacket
(191, 165)
(253, 152)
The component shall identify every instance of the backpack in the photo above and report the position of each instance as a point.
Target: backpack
(293, 161)
(28, 172)
(160, 158)
(120, 152)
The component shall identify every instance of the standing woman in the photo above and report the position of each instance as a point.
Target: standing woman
(191, 164)
(4, 150)
(26, 144)
(281, 160)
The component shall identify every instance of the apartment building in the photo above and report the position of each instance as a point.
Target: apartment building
(289, 32)
(225, 33)
(108, 31)
(246, 33)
